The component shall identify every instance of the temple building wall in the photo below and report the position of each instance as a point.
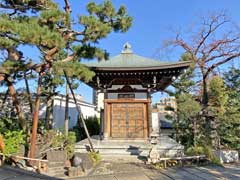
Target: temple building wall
(98, 97)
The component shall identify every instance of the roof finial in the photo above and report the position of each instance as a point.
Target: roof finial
(127, 48)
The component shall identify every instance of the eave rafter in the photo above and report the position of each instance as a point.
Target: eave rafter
(154, 80)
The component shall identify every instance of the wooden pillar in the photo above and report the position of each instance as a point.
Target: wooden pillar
(146, 125)
(107, 119)
(106, 116)
(101, 123)
(149, 112)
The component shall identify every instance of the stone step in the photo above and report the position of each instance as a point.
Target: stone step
(129, 146)
(129, 152)
(165, 146)
(56, 164)
(116, 151)
(124, 158)
(58, 172)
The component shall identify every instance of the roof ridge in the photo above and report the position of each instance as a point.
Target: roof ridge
(132, 60)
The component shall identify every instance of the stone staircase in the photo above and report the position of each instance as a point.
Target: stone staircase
(130, 150)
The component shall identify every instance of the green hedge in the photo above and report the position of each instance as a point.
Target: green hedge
(93, 126)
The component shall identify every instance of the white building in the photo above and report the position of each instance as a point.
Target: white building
(88, 110)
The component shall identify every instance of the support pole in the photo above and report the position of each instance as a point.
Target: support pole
(66, 119)
(28, 93)
(79, 111)
(35, 118)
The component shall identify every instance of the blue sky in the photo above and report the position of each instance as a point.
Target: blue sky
(152, 24)
(152, 21)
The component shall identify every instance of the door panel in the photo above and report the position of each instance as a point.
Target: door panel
(127, 120)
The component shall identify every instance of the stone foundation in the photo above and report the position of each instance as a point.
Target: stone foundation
(164, 147)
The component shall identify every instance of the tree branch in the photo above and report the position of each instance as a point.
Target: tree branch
(49, 54)
(23, 8)
(211, 29)
(215, 45)
(67, 7)
(183, 44)
(210, 69)
(69, 58)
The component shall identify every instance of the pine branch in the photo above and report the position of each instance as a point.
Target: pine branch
(50, 53)
(23, 8)
(69, 58)
(67, 7)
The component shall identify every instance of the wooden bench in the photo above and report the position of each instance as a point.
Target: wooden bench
(181, 159)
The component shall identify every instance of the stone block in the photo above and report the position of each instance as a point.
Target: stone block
(86, 161)
(227, 156)
(75, 171)
(56, 156)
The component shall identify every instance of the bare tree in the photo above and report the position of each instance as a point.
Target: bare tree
(214, 42)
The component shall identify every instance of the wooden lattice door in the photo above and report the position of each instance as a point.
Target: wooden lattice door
(128, 120)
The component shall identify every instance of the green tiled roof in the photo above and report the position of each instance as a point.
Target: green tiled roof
(127, 59)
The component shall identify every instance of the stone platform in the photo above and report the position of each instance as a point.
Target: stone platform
(131, 149)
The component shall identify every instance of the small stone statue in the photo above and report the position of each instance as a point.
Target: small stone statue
(77, 161)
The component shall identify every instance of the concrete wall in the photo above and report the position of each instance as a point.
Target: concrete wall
(88, 110)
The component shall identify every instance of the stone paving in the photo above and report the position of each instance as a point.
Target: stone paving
(137, 171)
(11, 173)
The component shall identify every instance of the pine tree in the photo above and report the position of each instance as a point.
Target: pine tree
(230, 129)
(218, 98)
(188, 108)
(42, 23)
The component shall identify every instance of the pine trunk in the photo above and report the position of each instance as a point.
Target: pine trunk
(35, 119)
(12, 92)
(4, 98)
(49, 113)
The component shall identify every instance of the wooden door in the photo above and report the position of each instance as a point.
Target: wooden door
(128, 120)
